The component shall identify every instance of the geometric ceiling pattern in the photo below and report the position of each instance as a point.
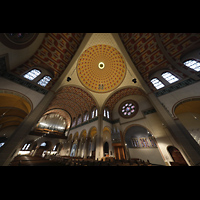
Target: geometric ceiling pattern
(74, 100)
(54, 54)
(154, 51)
(101, 68)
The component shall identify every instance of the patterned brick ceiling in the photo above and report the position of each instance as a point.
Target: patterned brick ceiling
(54, 54)
(151, 52)
(74, 100)
(104, 79)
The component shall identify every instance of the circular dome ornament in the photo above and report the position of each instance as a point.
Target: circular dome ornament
(101, 68)
(101, 65)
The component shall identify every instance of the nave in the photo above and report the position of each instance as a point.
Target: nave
(53, 160)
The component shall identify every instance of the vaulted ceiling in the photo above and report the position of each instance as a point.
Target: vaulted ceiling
(154, 51)
(54, 54)
(74, 100)
(149, 52)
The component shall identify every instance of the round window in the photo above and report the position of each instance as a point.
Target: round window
(128, 108)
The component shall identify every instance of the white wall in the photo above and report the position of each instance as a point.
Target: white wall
(151, 154)
(170, 99)
(34, 96)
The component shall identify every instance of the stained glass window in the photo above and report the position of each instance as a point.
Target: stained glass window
(135, 143)
(79, 121)
(193, 64)
(32, 74)
(153, 141)
(169, 77)
(144, 142)
(157, 83)
(128, 109)
(74, 122)
(44, 81)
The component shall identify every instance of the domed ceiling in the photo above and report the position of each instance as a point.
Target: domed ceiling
(101, 68)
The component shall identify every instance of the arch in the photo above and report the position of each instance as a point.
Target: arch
(75, 137)
(176, 156)
(105, 148)
(92, 132)
(70, 97)
(141, 143)
(14, 107)
(178, 106)
(188, 112)
(43, 148)
(114, 97)
(107, 138)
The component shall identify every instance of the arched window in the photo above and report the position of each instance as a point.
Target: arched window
(169, 77)
(192, 64)
(106, 113)
(86, 117)
(44, 144)
(74, 122)
(94, 112)
(157, 83)
(26, 147)
(79, 120)
(31, 75)
(44, 81)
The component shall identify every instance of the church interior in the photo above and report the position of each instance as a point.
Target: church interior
(99, 99)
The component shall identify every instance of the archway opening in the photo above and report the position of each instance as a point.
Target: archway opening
(92, 143)
(141, 144)
(176, 156)
(14, 107)
(105, 148)
(188, 112)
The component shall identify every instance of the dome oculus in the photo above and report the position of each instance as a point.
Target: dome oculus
(101, 65)
(101, 68)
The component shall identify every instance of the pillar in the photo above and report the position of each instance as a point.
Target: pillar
(186, 144)
(99, 138)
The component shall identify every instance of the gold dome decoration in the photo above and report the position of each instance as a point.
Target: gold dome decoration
(101, 68)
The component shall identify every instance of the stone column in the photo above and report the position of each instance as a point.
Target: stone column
(187, 145)
(99, 138)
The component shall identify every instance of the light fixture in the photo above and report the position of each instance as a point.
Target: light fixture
(68, 79)
(134, 80)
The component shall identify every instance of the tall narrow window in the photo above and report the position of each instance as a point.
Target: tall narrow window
(108, 114)
(44, 81)
(169, 77)
(32, 74)
(79, 121)
(193, 64)
(74, 122)
(157, 83)
(94, 112)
